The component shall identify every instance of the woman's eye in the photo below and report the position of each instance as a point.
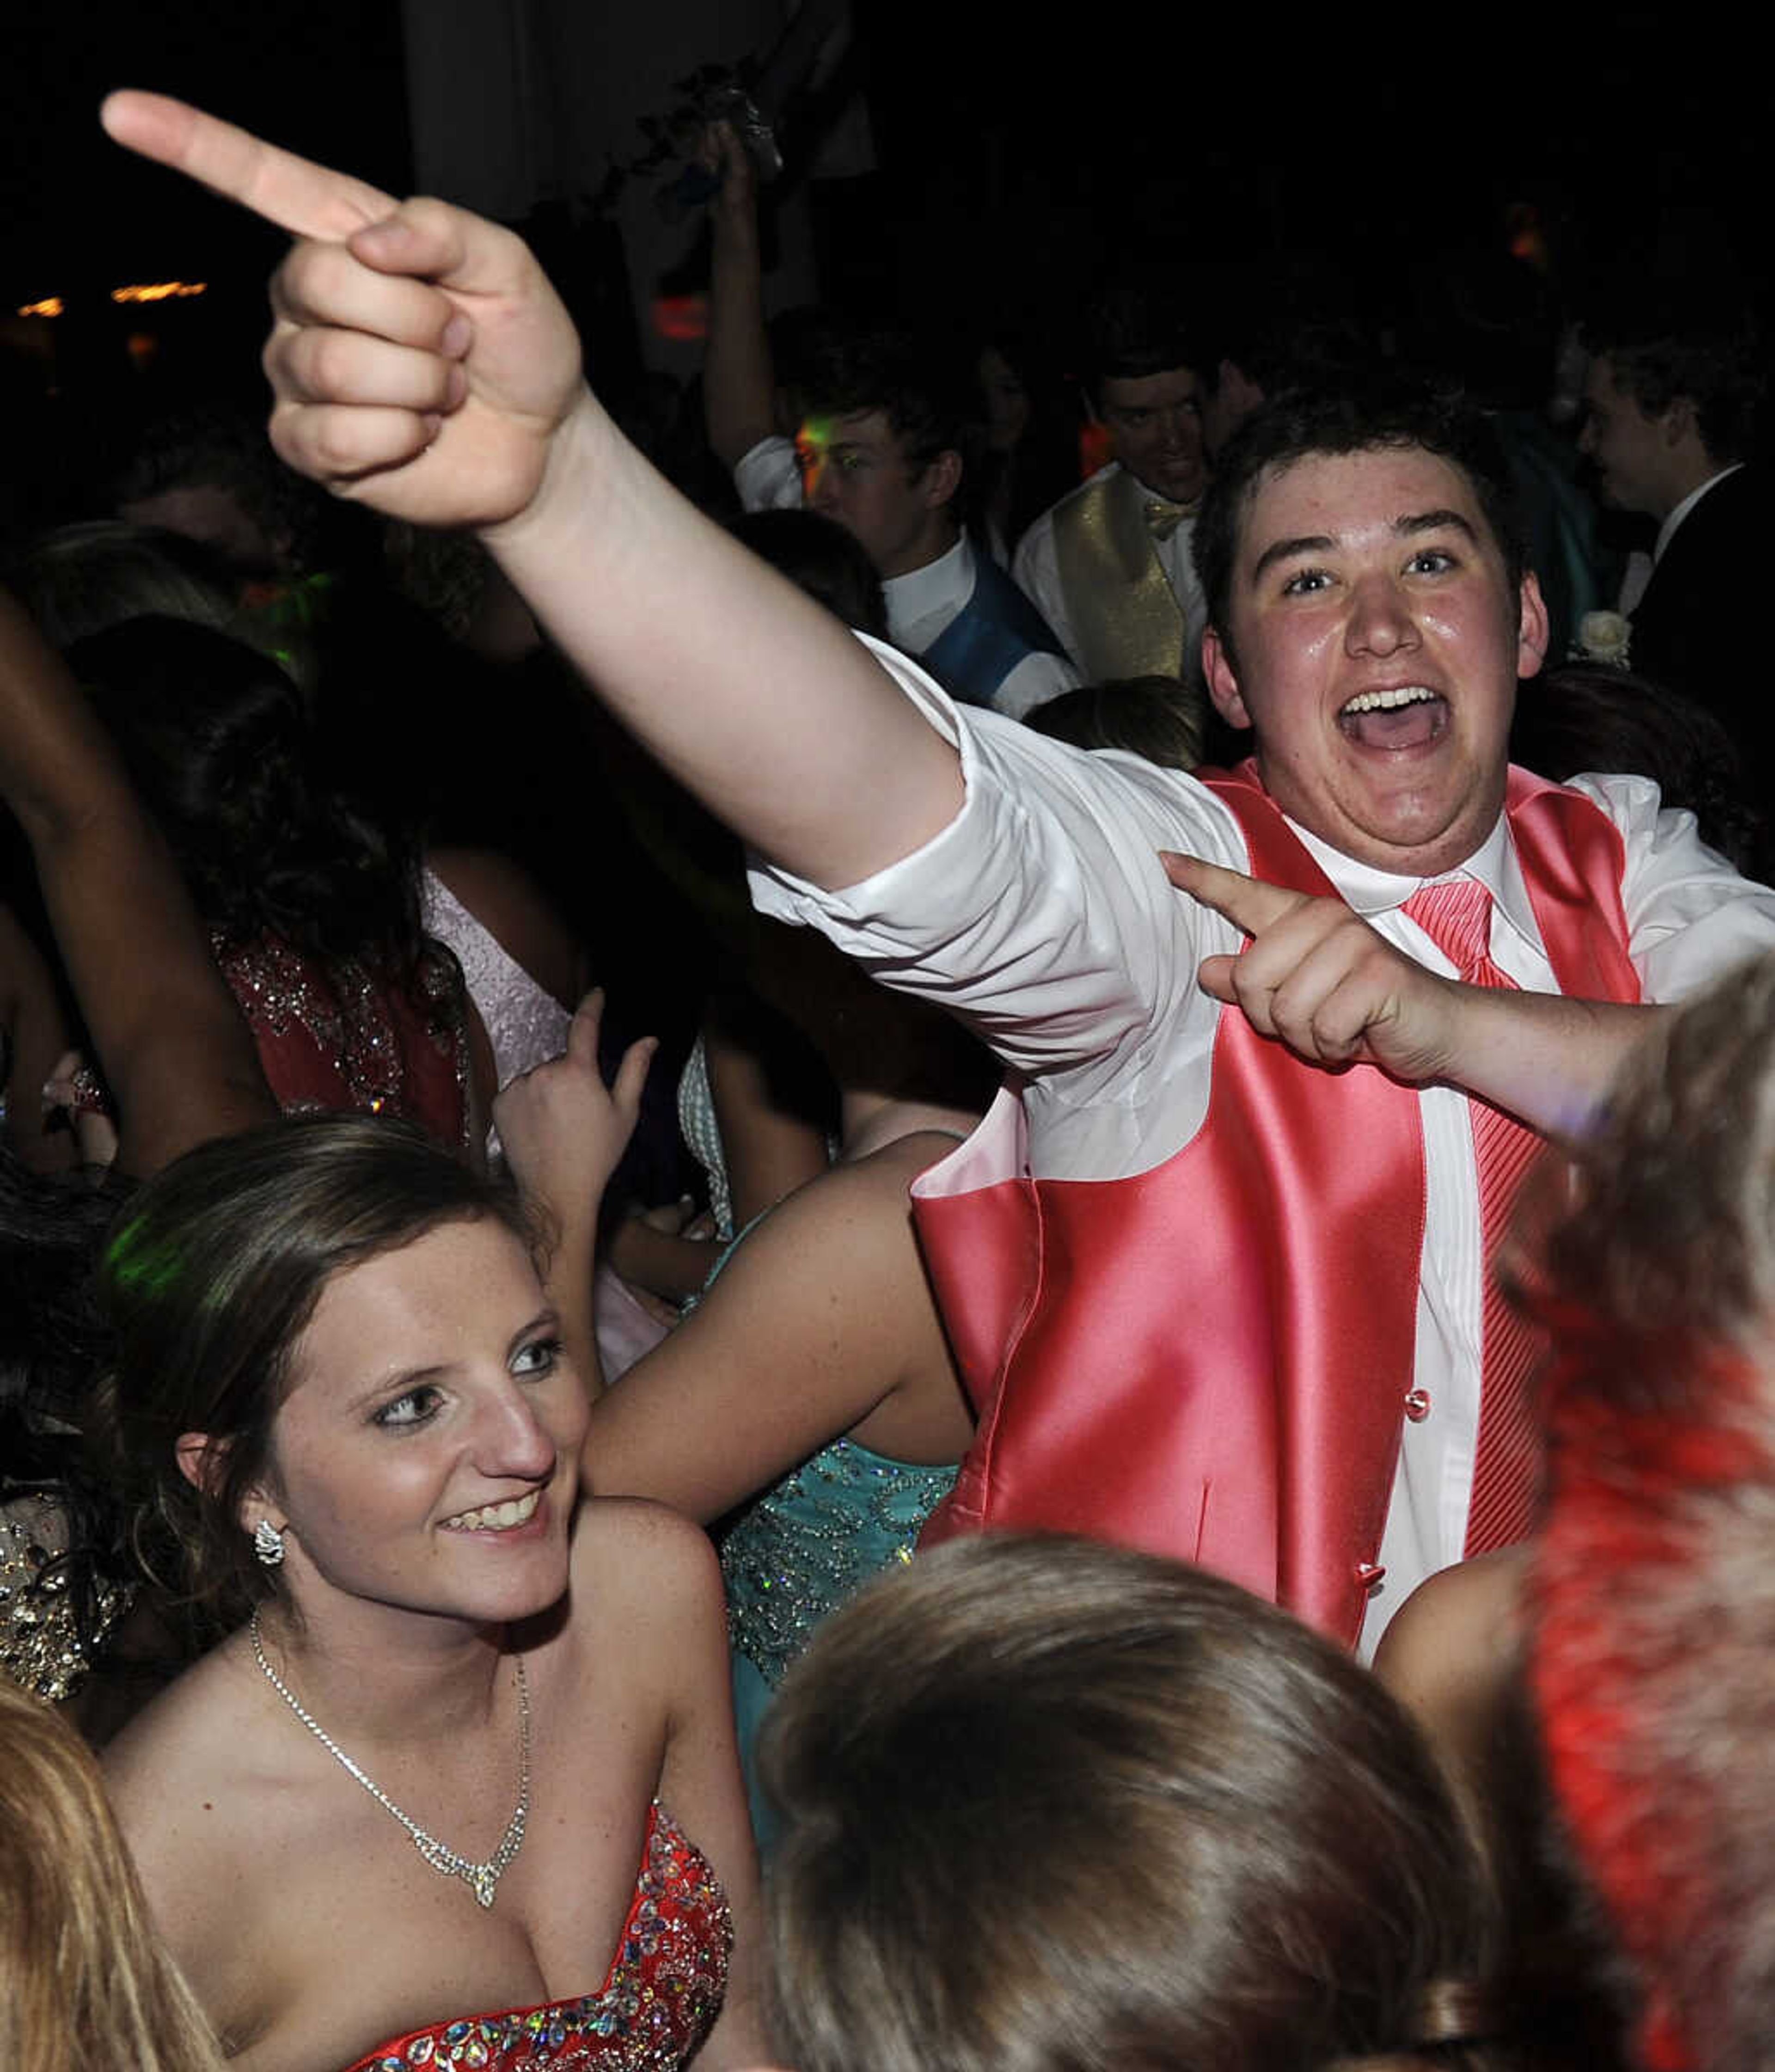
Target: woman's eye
(541, 1356)
(416, 1407)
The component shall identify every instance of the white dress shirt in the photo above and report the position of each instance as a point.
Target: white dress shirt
(768, 476)
(1036, 567)
(1041, 915)
(922, 605)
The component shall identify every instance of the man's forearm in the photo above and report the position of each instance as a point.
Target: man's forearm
(739, 382)
(1549, 1060)
(1319, 977)
(755, 698)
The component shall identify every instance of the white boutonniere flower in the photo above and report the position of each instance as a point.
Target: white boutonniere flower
(1604, 636)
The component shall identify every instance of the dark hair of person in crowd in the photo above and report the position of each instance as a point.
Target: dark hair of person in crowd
(1480, 315)
(800, 337)
(265, 516)
(1155, 717)
(820, 557)
(1686, 338)
(1131, 331)
(1028, 428)
(1286, 321)
(1049, 1804)
(85, 579)
(1593, 716)
(85, 1979)
(1373, 417)
(1651, 1599)
(210, 1278)
(217, 740)
(908, 378)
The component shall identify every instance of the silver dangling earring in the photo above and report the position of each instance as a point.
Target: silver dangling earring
(268, 1544)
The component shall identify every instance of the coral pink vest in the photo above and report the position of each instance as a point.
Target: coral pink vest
(1211, 1360)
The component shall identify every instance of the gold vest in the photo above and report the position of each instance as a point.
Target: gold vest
(1125, 618)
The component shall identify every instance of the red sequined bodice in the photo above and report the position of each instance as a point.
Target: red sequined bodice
(340, 1037)
(659, 2000)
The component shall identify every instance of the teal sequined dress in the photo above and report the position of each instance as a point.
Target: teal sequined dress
(795, 1553)
(798, 1551)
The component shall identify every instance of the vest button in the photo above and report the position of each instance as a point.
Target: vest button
(1368, 1574)
(1417, 1406)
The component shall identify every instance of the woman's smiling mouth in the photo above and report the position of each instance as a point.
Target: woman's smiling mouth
(496, 1517)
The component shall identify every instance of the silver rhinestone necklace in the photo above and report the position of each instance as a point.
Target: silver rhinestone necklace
(482, 1879)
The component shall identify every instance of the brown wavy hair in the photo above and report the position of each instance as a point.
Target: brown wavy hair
(1053, 1807)
(208, 1281)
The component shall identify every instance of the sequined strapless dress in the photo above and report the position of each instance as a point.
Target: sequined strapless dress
(658, 2002)
(794, 1554)
(337, 1036)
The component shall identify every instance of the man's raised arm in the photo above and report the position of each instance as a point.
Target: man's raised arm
(421, 364)
(739, 385)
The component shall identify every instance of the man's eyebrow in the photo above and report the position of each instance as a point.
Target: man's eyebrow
(1433, 521)
(1285, 550)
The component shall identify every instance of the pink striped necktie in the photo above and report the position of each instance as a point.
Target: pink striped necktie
(1456, 917)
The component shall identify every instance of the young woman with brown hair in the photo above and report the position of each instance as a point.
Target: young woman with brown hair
(397, 1813)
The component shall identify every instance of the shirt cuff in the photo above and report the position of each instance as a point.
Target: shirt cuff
(869, 919)
(768, 477)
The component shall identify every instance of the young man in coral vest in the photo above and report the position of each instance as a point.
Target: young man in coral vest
(1217, 1262)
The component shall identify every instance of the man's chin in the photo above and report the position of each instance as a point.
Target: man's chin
(1409, 834)
(1176, 489)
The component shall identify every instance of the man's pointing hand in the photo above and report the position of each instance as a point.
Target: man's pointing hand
(420, 361)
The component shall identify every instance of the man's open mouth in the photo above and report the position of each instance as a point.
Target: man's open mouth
(1409, 716)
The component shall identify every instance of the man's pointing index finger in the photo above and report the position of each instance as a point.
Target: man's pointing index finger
(306, 199)
(1251, 904)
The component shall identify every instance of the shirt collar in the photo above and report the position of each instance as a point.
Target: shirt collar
(1667, 531)
(1370, 891)
(947, 581)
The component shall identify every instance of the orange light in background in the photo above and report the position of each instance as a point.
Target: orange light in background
(681, 319)
(1527, 239)
(50, 306)
(158, 291)
(1094, 448)
(142, 347)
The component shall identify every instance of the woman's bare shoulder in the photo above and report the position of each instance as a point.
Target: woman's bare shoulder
(1456, 1636)
(193, 1723)
(644, 1577)
(631, 1548)
(199, 1802)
